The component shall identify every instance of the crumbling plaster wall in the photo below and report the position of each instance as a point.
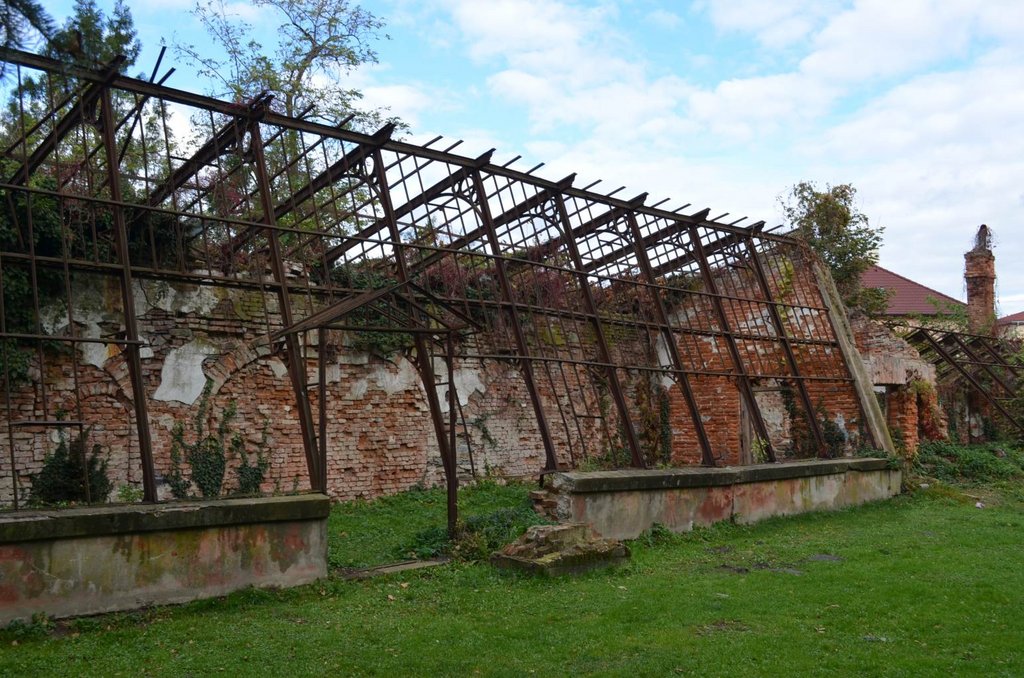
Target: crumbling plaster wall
(903, 380)
(205, 339)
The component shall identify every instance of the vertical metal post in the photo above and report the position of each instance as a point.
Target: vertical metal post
(423, 356)
(743, 380)
(604, 355)
(787, 349)
(293, 353)
(453, 476)
(522, 350)
(128, 301)
(706, 454)
(321, 339)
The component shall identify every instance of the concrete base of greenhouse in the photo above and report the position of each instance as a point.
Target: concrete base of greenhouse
(101, 559)
(623, 504)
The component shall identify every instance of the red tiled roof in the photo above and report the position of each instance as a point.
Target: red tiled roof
(1011, 319)
(907, 296)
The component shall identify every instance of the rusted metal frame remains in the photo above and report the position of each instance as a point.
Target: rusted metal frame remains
(452, 486)
(743, 381)
(985, 366)
(679, 262)
(981, 390)
(337, 310)
(88, 100)
(423, 362)
(516, 212)
(128, 301)
(707, 454)
(293, 353)
(646, 325)
(420, 200)
(611, 374)
(780, 328)
(523, 351)
(999, 360)
(673, 228)
(321, 386)
(272, 118)
(985, 342)
(229, 136)
(340, 169)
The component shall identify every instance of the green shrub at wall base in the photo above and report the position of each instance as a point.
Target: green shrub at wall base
(62, 479)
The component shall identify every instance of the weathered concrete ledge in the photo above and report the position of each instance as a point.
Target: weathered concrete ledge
(99, 559)
(623, 504)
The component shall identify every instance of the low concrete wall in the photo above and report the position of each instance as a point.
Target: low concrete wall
(623, 504)
(99, 559)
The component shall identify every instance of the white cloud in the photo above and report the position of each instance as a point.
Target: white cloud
(774, 24)
(664, 19)
(918, 103)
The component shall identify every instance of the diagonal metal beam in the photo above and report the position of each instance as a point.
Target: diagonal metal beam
(228, 137)
(132, 349)
(978, 388)
(424, 362)
(86, 103)
(513, 315)
(420, 200)
(611, 374)
(973, 359)
(293, 353)
(787, 348)
(743, 382)
(707, 454)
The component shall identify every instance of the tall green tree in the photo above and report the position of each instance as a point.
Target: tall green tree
(831, 223)
(319, 42)
(88, 38)
(23, 20)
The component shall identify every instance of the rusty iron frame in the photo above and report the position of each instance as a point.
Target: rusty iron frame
(562, 273)
(956, 358)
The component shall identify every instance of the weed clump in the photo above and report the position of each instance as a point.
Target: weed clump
(955, 463)
(476, 537)
(62, 480)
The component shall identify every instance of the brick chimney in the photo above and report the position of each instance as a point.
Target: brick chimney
(980, 276)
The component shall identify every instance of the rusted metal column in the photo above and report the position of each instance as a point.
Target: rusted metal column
(706, 453)
(517, 329)
(787, 349)
(423, 361)
(743, 381)
(602, 343)
(453, 474)
(128, 301)
(293, 354)
(321, 384)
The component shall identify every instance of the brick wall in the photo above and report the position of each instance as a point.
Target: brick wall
(380, 435)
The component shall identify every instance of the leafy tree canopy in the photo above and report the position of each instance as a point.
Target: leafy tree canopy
(320, 41)
(830, 222)
(21, 21)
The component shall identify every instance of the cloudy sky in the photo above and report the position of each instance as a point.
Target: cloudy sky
(725, 104)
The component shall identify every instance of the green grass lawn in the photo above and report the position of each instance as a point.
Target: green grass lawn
(926, 584)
